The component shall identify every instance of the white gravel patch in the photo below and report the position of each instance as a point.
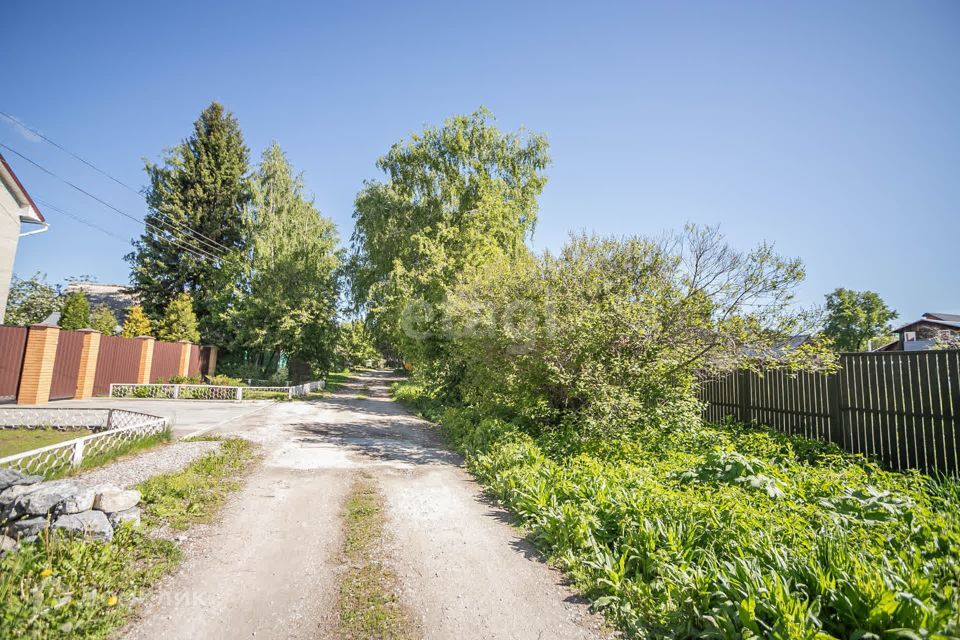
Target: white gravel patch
(131, 471)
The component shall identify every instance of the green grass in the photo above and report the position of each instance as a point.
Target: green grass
(19, 440)
(63, 587)
(368, 605)
(194, 494)
(335, 379)
(36, 438)
(726, 531)
(264, 395)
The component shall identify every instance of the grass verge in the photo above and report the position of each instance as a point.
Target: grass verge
(194, 494)
(19, 440)
(64, 587)
(335, 379)
(726, 531)
(368, 605)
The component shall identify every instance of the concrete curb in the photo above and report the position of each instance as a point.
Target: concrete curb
(200, 432)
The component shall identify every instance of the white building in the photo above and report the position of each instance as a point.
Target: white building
(16, 208)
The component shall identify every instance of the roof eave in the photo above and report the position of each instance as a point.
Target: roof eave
(13, 183)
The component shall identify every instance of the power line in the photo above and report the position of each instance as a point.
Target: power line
(92, 225)
(195, 251)
(211, 243)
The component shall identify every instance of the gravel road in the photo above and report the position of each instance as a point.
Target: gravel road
(269, 567)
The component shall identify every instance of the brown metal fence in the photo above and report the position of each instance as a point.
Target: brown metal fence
(902, 408)
(66, 365)
(119, 361)
(193, 367)
(166, 361)
(13, 344)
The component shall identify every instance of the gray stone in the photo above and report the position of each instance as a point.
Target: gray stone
(26, 527)
(10, 477)
(130, 515)
(8, 495)
(112, 501)
(91, 523)
(6, 544)
(48, 495)
(82, 500)
(8, 501)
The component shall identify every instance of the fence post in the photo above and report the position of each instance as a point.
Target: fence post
(184, 366)
(239, 393)
(109, 420)
(144, 369)
(836, 413)
(36, 373)
(76, 457)
(176, 392)
(743, 396)
(88, 363)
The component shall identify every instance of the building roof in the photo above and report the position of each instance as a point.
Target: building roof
(949, 317)
(925, 320)
(28, 209)
(117, 297)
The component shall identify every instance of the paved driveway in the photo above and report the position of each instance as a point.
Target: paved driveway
(187, 416)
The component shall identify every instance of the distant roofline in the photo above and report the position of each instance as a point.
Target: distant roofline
(23, 192)
(944, 323)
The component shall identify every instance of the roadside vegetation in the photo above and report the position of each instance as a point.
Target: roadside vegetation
(63, 587)
(368, 605)
(724, 530)
(195, 493)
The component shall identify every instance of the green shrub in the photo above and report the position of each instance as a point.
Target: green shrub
(226, 381)
(179, 379)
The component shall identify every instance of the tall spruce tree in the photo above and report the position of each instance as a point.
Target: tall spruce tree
(200, 190)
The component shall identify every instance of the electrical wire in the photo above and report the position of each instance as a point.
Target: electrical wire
(180, 243)
(212, 244)
(80, 219)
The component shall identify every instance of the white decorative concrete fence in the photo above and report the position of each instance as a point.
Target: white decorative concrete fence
(113, 430)
(209, 391)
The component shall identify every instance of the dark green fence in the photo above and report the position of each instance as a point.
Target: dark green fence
(902, 408)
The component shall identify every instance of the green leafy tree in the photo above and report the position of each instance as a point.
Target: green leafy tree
(610, 334)
(103, 320)
(293, 287)
(853, 317)
(355, 345)
(137, 323)
(179, 321)
(455, 197)
(75, 312)
(31, 300)
(200, 189)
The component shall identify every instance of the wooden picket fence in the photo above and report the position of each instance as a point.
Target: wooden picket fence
(901, 408)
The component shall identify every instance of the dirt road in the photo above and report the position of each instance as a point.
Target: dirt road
(269, 567)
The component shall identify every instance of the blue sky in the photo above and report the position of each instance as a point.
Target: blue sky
(828, 128)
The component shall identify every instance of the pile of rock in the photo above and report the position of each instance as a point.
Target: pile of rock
(28, 506)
